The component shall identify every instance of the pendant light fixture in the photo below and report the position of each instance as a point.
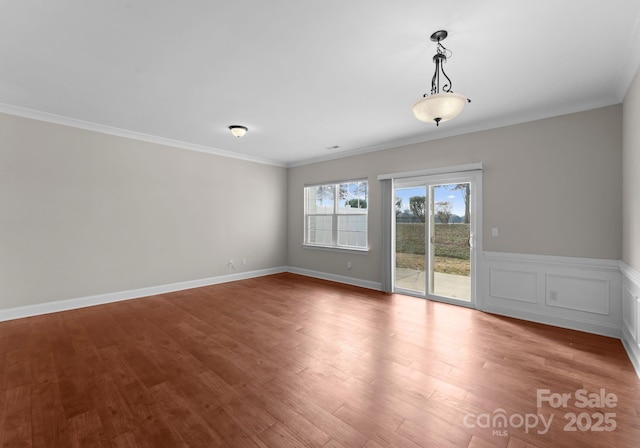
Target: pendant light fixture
(238, 131)
(442, 104)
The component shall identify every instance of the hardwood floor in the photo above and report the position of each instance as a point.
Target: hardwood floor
(289, 361)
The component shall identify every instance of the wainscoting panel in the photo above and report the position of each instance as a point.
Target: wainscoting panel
(513, 285)
(578, 293)
(631, 313)
(637, 313)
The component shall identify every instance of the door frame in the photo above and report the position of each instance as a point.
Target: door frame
(476, 231)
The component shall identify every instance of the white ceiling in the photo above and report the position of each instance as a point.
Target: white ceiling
(307, 75)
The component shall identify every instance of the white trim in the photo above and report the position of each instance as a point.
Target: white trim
(432, 171)
(629, 272)
(100, 299)
(603, 329)
(632, 350)
(339, 181)
(344, 249)
(591, 263)
(109, 130)
(336, 278)
(631, 303)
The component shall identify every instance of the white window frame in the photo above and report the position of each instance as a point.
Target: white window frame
(334, 217)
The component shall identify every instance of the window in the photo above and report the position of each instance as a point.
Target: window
(335, 215)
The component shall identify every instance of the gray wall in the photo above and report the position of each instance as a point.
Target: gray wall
(552, 187)
(631, 176)
(84, 213)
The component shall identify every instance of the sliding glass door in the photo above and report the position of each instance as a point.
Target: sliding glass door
(435, 228)
(411, 260)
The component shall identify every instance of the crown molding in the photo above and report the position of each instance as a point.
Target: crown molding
(454, 131)
(118, 132)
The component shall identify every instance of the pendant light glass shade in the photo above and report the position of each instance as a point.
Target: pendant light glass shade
(439, 107)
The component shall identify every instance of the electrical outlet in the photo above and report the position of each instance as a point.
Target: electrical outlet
(494, 231)
(553, 296)
(244, 261)
(349, 265)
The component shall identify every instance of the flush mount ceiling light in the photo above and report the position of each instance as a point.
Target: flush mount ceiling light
(439, 106)
(238, 131)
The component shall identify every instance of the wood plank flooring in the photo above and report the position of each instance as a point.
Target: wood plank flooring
(289, 361)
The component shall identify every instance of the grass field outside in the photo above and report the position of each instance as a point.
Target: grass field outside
(451, 247)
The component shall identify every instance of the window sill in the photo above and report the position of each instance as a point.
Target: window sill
(349, 250)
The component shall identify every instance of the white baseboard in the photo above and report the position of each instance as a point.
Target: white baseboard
(336, 278)
(547, 319)
(100, 299)
(81, 302)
